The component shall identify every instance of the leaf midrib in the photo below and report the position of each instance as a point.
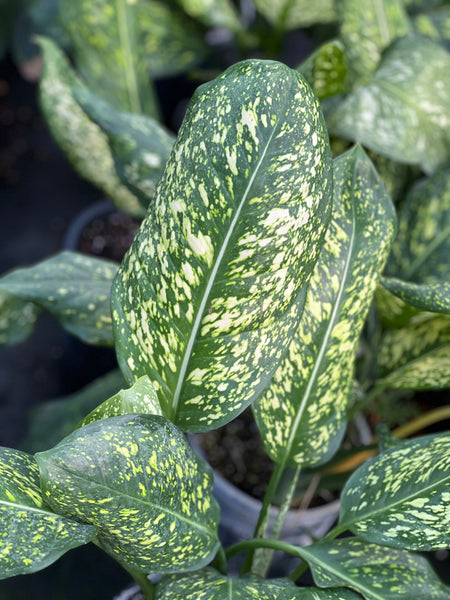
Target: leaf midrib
(130, 72)
(210, 283)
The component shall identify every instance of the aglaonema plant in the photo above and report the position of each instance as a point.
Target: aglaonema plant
(248, 284)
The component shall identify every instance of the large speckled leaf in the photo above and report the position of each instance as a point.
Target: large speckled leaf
(416, 357)
(31, 536)
(139, 145)
(202, 302)
(109, 53)
(302, 415)
(141, 398)
(419, 267)
(367, 29)
(376, 572)
(73, 287)
(85, 145)
(214, 13)
(313, 593)
(50, 422)
(138, 481)
(402, 497)
(326, 69)
(211, 585)
(291, 14)
(435, 25)
(403, 112)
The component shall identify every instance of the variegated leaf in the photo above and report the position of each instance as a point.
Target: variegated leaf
(83, 142)
(202, 302)
(214, 13)
(302, 415)
(313, 593)
(401, 498)
(139, 145)
(403, 112)
(367, 29)
(435, 25)
(73, 287)
(392, 310)
(138, 481)
(141, 398)
(416, 357)
(211, 585)
(31, 536)
(376, 572)
(326, 69)
(296, 13)
(106, 39)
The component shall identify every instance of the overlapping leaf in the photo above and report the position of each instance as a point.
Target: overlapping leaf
(75, 288)
(141, 398)
(368, 28)
(376, 572)
(416, 357)
(202, 302)
(435, 25)
(326, 69)
(211, 585)
(214, 13)
(297, 13)
(313, 593)
(401, 498)
(83, 142)
(139, 145)
(302, 415)
(31, 536)
(106, 38)
(138, 481)
(403, 112)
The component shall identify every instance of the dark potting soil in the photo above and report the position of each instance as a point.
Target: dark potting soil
(108, 236)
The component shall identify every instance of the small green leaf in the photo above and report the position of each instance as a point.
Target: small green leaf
(139, 145)
(416, 357)
(376, 572)
(106, 38)
(73, 287)
(367, 29)
(138, 481)
(31, 536)
(435, 25)
(401, 498)
(141, 398)
(211, 585)
(326, 69)
(296, 13)
(85, 145)
(302, 415)
(402, 113)
(202, 301)
(217, 13)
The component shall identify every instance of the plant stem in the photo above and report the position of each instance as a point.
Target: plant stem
(220, 562)
(379, 387)
(429, 418)
(255, 543)
(262, 557)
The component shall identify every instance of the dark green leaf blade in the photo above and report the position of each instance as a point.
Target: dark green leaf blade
(208, 584)
(302, 415)
(401, 498)
(376, 572)
(313, 593)
(75, 288)
(202, 301)
(31, 536)
(408, 120)
(138, 481)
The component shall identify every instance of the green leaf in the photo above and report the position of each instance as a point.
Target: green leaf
(31, 536)
(367, 29)
(435, 25)
(376, 572)
(85, 145)
(106, 38)
(402, 113)
(302, 415)
(401, 498)
(141, 398)
(418, 267)
(139, 145)
(202, 302)
(173, 43)
(416, 357)
(296, 13)
(211, 585)
(313, 593)
(138, 481)
(50, 421)
(326, 69)
(73, 287)
(217, 13)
